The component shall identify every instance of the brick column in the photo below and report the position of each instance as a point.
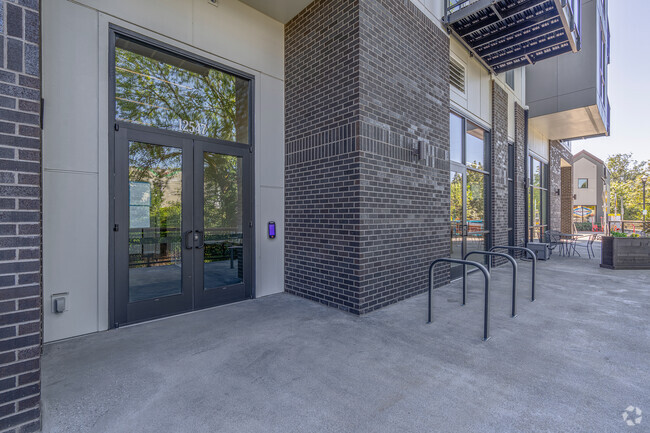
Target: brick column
(560, 216)
(20, 216)
(366, 86)
(566, 201)
(499, 163)
(521, 159)
(321, 167)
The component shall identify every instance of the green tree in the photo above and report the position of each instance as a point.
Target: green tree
(626, 186)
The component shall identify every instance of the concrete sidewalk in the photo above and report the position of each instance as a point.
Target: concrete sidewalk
(570, 362)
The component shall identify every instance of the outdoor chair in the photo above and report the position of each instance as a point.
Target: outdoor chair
(553, 239)
(588, 244)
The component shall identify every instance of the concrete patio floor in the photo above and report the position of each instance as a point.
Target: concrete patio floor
(570, 362)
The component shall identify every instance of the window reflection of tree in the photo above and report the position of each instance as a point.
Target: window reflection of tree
(222, 192)
(161, 167)
(222, 206)
(158, 89)
(456, 197)
(537, 198)
(475, 196)
(161, 93)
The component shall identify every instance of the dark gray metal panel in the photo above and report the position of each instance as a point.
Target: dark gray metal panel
(561, 78)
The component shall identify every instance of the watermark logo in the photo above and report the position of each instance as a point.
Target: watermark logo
(632, 416)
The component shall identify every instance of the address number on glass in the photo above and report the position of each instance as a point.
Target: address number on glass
(192, 126)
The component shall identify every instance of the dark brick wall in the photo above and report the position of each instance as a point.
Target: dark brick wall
(404, 202)
(404, 70)
(557, 181)
(322, 165)
(521, 120)
(321, 70)
(20, 216)
(499, 164)
(364, 216)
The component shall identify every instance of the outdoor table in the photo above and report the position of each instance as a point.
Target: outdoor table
(569, 239)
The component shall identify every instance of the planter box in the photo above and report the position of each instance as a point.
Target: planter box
(625, 253)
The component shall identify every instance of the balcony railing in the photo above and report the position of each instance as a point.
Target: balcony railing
(507, 34)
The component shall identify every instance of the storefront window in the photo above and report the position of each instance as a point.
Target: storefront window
(156, 88)
(537, 199)
(469, 187)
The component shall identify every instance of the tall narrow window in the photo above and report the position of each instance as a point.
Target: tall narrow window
(469, 188)
(510, 79)
(537, 199)
(511, 194)
(456, 138)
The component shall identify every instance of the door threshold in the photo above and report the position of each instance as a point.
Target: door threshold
(171, 316)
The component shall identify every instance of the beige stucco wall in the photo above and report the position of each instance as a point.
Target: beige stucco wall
(585, 169)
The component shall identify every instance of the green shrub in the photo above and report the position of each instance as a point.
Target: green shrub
(619, 235)
(583, 227)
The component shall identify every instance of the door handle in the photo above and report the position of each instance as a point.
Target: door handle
(189, 244)
(199, 236)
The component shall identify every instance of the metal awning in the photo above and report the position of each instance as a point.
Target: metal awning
(507, 34)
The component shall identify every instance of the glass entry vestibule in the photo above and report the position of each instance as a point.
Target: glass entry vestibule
(182, 184)
(469, 186)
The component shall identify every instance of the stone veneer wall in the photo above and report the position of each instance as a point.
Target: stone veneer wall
(365, 82)
(560, 214)
(20, 216)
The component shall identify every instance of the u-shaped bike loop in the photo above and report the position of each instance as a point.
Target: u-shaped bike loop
(486, 275)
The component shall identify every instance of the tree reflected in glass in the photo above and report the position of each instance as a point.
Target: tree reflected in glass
(157, 89)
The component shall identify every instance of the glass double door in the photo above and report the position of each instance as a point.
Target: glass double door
(469, 229)
(182, 224)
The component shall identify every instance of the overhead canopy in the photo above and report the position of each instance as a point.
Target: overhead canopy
(508, 34)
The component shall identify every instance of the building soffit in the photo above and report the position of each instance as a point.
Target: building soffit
(280, 10)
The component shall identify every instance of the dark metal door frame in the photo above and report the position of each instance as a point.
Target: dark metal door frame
(129, 312)
(192, 297)
(118, 128)
(236, 292)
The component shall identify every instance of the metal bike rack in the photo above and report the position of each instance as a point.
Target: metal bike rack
(514, 275)
(532, 254)
(486, 274)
